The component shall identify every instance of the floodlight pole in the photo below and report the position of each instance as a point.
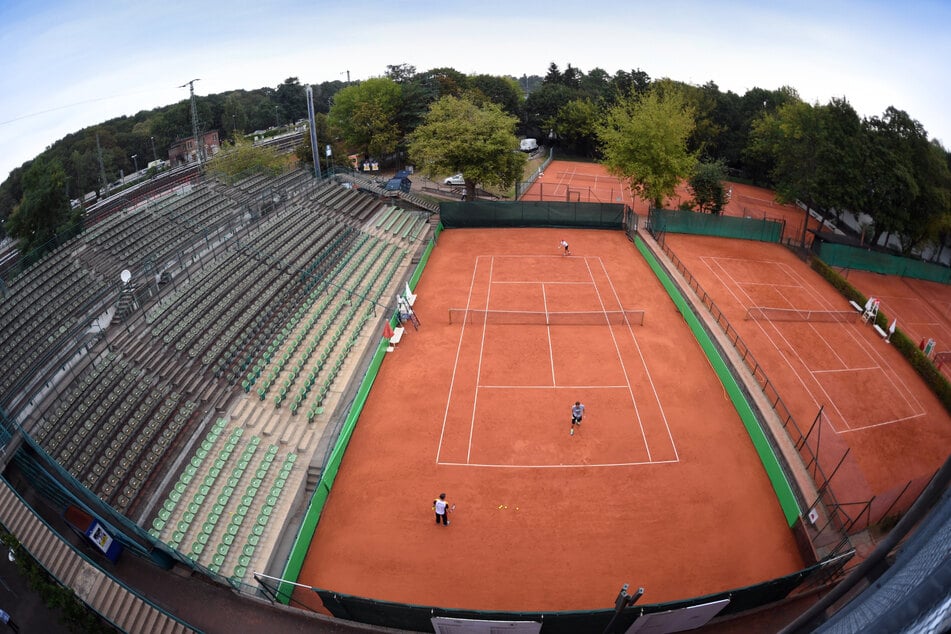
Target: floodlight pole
(315, 153)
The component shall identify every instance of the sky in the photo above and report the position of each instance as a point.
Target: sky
(70, 64)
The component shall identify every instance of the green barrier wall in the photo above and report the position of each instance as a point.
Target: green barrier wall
(764, 230)
(862, 259)
(485, 213)
(774, 471)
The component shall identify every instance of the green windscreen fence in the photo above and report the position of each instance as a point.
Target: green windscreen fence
(762, 229)
(862, 259)
(487, 213)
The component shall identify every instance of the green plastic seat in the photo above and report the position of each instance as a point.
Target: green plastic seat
(227, 539)
(248, 550)
(223, 549)
(253, 539)
(258, 530)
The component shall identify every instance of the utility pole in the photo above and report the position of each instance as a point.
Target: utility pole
(154, 153)
(199, 150)
(348, 76)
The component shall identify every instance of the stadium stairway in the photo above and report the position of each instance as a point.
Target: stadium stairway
(129, 611)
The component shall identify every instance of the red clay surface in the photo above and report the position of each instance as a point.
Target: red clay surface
(660, 488)
(591, 182)
(874, 403)
(923, 308)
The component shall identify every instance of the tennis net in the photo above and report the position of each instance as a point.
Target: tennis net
(765, 313)
(524, 317)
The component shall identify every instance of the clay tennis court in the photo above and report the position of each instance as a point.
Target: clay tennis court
(577, 181)
(660, 487)
(923, 308)
(874, 404)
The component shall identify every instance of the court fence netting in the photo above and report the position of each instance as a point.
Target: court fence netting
(493, 213)
(664, 221)
(864, 258)
(558, 318)
(768, 313)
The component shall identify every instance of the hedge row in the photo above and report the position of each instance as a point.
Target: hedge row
(922, 364)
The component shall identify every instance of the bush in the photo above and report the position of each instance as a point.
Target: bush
(921, 363)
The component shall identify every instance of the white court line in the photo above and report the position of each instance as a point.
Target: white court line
(546, 282)
(551, 353)
(650, 378)
(475, 397)
(903, 391)
(557, 466)
(874, 352)
(849, 369)
(617, 351)
(774, 327)
(552, 387)
(455, 366)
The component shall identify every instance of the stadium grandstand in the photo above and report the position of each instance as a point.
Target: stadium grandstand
(174, 374)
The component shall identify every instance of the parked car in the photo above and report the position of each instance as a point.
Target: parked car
(394, 186)
(455, 179)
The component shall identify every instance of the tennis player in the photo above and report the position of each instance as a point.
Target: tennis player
(441, 506)
(577, 413)
(564, 245)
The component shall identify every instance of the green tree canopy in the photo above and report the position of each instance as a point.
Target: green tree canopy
(366, 116)
(644, 141)
(576, 126)
(479, 141)
(43, 219)
(241, 158)
(706, 185)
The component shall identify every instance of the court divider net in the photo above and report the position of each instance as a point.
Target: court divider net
(529, 318)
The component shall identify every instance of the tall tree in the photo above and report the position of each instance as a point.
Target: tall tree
(706, 185)
(366, 116)
(791, 137)
(576, 127)
(459, 136)
(644, 141)
(44, 218)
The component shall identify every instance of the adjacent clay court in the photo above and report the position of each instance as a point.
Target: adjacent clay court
(873, 402)
(660, 487)
(577, 181)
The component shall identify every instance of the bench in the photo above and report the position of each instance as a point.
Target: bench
(395, 339)
(879, 330)
(856, 306)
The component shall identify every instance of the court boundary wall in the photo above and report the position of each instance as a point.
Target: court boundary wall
(418, 618)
